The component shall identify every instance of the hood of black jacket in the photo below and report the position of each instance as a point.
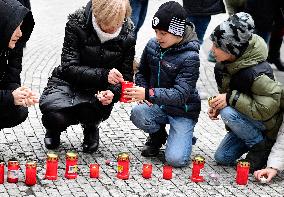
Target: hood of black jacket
(12, 13)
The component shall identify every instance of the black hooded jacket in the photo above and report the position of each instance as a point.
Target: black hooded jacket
(12, 13)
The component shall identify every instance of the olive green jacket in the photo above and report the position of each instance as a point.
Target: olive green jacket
(260, 96)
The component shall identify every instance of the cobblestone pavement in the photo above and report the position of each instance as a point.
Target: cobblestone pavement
(118, 134)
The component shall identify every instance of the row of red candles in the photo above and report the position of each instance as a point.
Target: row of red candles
(122, 169)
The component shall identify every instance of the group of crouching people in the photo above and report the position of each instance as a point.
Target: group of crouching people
(97, 55)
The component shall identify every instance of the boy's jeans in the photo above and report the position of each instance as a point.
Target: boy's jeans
(179, 142)
(244, 133)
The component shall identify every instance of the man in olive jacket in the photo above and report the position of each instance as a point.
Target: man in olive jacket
(249, 99)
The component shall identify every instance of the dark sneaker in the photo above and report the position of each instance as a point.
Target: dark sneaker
(154, 143)
(258, 154)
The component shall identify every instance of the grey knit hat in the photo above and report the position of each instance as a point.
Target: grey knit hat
(233, 35)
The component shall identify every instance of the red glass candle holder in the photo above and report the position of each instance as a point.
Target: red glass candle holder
(13, 171)
(147, 171)
(94, 170)
(167, 172)
(123, 166)
(197, 165)
(242, 172)
(2, 171)
(71, 165)
(51, 166)
(124, 85)
(30, 173)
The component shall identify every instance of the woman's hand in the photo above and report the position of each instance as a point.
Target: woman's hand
(135, 93)
(114, 76)
(105, 97)
(24, 96)
(32, 99)
(267, 172)
(219, 102)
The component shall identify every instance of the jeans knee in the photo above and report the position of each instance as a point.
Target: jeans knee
(176, 160)
(221, 159)
(138, 118)
(229, 114)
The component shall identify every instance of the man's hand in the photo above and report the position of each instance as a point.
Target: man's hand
(219, 102)
(212, 113)
(115, 77)
(105, 97)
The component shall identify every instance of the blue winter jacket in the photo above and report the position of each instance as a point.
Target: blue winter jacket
(172, 74)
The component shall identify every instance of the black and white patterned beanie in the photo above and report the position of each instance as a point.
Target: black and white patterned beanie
(170, 17)
(233, 35)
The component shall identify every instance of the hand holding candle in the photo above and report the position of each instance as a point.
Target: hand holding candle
(134, 93)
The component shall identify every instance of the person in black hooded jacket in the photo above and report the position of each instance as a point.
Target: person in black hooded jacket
(16, 25)
(97, 55)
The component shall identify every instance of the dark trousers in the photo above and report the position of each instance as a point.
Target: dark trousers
(13, 116)
(58, 121)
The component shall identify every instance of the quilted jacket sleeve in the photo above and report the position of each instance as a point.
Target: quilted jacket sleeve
(72, 70)
(264, 101)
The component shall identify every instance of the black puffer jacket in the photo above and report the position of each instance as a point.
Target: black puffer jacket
(173, 75)
(86, 62)
(12, 13)
(263, 12)
(203, 7)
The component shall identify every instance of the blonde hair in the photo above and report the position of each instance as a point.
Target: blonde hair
(109, 12)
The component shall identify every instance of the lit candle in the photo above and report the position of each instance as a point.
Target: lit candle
(2, 171)
(30, 173)
(167, 172)
(51, 166)
(94, 170)
(147, 171)
(71, 168)
(242, 172)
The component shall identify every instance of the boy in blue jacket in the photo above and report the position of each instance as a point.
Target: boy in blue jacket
(166, 86)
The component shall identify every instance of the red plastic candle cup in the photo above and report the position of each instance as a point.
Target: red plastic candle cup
(242, 172)
(30, 173)
(124, 85)
(13, 171)
(94, 170)
(167, 172)
(197, 165)
(147, 171)
(123, 163)
(71, 165)
(51, 166)
(2, 171)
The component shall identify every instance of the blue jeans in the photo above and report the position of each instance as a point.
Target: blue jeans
(179, 142)
(244, 133)
(139, 11)
(200, 23)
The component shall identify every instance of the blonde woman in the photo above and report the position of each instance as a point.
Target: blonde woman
(97, 55)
